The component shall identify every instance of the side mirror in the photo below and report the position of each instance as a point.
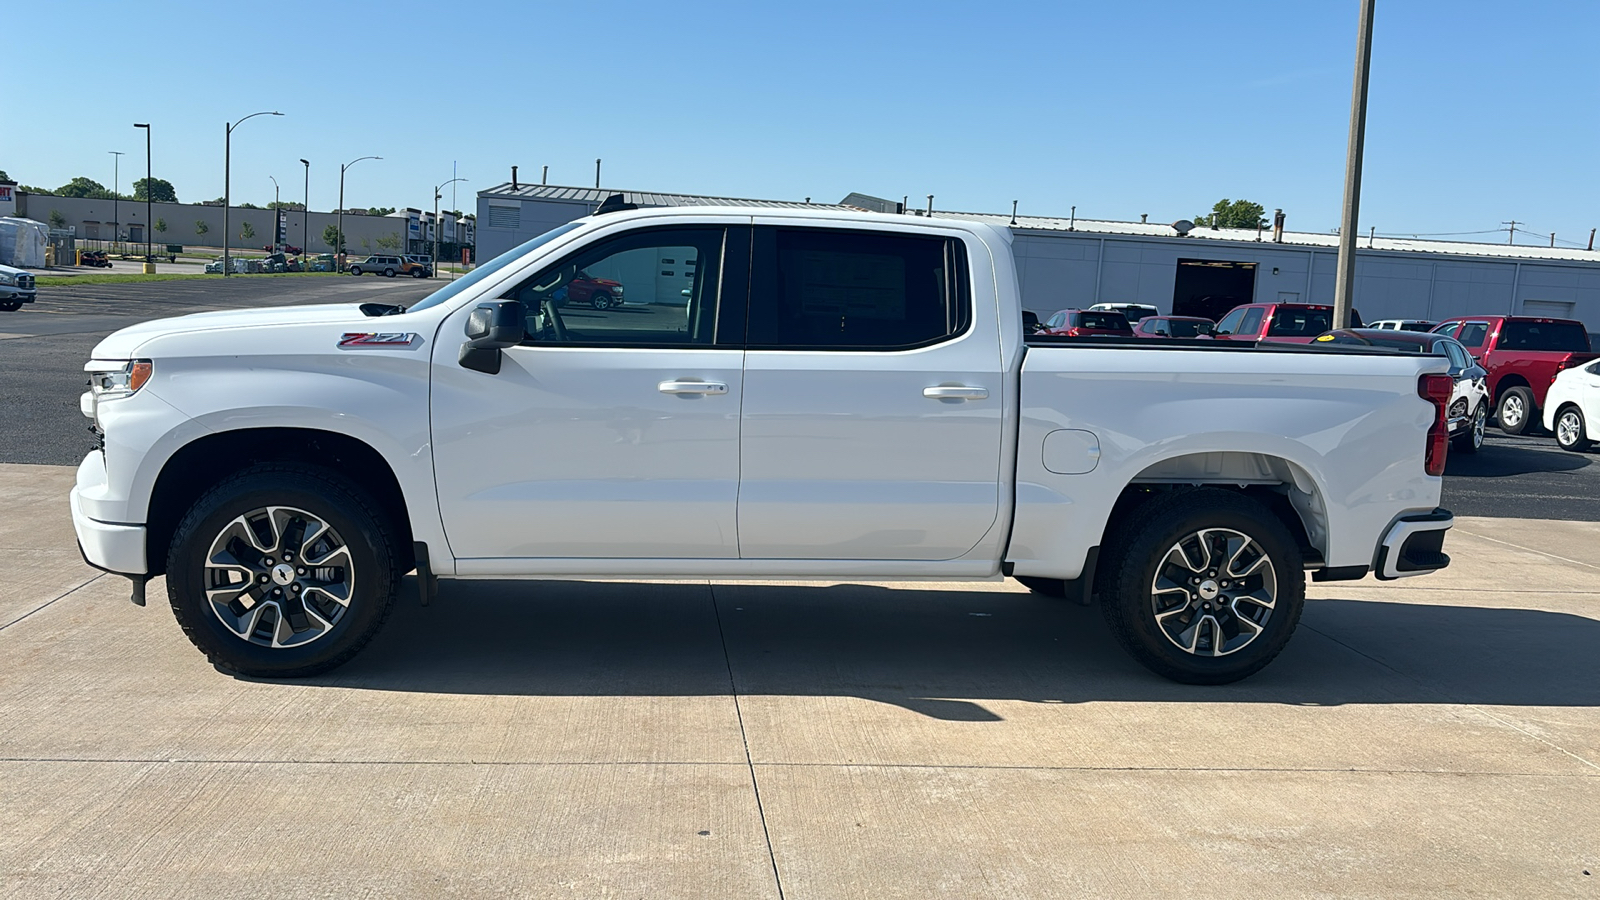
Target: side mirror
(491, 328)
(1203, 328)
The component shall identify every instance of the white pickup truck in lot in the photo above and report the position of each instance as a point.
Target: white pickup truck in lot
(806, 394)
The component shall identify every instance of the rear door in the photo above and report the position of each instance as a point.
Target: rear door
(872, 421)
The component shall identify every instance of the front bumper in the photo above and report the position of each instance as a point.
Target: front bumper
(1414, 545)
(26, 295)
(112, 546)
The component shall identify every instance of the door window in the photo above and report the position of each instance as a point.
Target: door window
(1473, 334)
(1458, 357)
(1056, 321)
(1448, 330)
(1252, 321)
(1230, 322)
(610, 294)
(820, 289)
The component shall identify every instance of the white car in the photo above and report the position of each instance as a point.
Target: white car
(1572, 407)
(16, 288)
(843, 395)
(1403, 325)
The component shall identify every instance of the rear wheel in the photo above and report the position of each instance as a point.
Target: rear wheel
(1572, 431)
(1206, 587)
(282, 571)
(1516, 411)
(1471, 440)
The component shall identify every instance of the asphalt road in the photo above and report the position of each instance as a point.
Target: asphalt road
(43, 347)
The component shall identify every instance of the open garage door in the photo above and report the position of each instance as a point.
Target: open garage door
(1211, 287)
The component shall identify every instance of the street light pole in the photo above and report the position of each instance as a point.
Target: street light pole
(305, 220)
(338, 248)
(227, 193)
(116, 198)
(149, 223)
(1344, 283)
(276, 212)
(436, 229)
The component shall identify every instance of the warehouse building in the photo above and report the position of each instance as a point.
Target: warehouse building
(1070, 262)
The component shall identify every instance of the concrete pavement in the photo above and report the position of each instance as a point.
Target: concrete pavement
(1432, 737)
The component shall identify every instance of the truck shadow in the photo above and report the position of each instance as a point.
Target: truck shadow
(1497, 460)
(941, 652)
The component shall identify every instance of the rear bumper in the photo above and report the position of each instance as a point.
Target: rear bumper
(1414, 545)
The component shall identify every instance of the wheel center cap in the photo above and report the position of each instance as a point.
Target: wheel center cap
(283, 574)
(1209, 590)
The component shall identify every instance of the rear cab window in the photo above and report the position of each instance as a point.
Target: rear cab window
(1300, 322)
(1569, 337)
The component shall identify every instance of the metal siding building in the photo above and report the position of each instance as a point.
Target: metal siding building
(1078, 262)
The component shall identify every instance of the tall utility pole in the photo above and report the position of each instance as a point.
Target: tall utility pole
(436, 229)
(116, 196)
(1511, 236)
(227, 191)
(305, 220)
(149, 223)
(339, 247)
(277, 210)
(1344, 282)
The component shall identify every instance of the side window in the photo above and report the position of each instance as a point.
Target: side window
(1158, 326)
(1252, 321)
(1230, 322)
(611, 293)
(1057, 320)
(1449, 330)
(819, 289)
(1473, 334)
(1458, 357)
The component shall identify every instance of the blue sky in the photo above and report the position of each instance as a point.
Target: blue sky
(1480, 112)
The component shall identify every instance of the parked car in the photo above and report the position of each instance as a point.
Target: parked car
(95, 258)
(1133, 312)
(286, 248)
(1468, 410)
(378, 265)
(1173, 327)
(1523, 355)
(1572, 407)
(1083, 323)
(1280, 323)
(1030, 322)
(1403, 325)
(585, 290)
(855, 397)
(16, 288)
(415, 267)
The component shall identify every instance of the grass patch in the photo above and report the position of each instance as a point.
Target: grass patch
(137, 277)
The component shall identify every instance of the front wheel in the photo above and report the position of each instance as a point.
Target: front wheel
(417, 273)
(1516, 411)
(1572, 431)
(1206, 587)
(10, 305)
(600, 301)
(282, 571)
(355, 270)
(1471, 440)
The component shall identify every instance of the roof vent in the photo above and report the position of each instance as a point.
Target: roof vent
(1183, 227)
(614, 203)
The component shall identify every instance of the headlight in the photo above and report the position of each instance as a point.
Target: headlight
(7, 279)
(109, 380)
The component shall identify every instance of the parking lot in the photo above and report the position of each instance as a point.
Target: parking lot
(1433, 736)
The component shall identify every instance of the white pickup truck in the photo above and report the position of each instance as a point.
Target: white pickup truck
(788, 394)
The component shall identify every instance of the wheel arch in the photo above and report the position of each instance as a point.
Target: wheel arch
(1506, 383)
(201, 463)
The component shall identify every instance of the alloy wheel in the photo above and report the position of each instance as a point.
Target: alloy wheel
(1511, 411)
(1213, 592)
(1478, 422)
(279, 577)
(1569, 429)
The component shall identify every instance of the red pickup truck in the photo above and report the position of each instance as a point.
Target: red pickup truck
(1278, 323)
(1522, 355)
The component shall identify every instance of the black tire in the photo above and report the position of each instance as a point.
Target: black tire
(418, 273)
(1572, 431)
(1471, 440)
(1045, 587)
(1521, 415)
(355, 270)
(1144, 546)
(600, 300)
(388, 273)
(365, 532)
(10, 306)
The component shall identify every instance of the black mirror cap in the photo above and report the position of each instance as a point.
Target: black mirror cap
(503, 323)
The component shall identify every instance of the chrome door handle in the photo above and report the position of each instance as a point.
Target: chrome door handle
(692, 387)
(955, 392)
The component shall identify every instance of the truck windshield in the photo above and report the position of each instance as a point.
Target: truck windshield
(1300, 322)
(1568, 337)
(489, 268)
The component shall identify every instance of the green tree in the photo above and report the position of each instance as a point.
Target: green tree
(286, 204)
(31, 189)
(200, 226)
(246, 231)
(390, 241)
(1234, 214)
(160, 190)
(84, 187)
(332, 238)
(4, 176)
(57, 220)
(379, 210)
(161, 226)
(248, 206)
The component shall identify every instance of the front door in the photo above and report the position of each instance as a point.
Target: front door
(872, 400)
(608, 433)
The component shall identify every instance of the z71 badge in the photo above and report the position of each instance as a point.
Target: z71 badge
(357, 340)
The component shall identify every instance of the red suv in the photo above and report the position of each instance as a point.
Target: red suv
(1523, 355)
(1087, 322)
(599, 293)
(1281, 323)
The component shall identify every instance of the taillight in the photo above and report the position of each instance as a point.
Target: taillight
(1560, 367)
(1436, 389)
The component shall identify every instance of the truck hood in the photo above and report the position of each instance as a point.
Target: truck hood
(8, 270)
(124, 344)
